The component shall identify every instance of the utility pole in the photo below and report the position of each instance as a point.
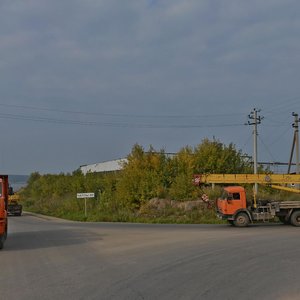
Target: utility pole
(296, 126)
(255, 120)
(295, 144)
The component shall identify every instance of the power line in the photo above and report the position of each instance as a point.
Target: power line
(115, 114)
(110, 124)
(281, 135)
(278, 123)
(268, 150)
(283, 105)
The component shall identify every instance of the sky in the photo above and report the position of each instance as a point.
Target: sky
(83, 81)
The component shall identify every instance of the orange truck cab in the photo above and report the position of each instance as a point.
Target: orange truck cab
(232, 201)
(3, 208)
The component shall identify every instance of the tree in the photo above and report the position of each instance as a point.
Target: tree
(145, 176)
(183, 169)
(215, 157)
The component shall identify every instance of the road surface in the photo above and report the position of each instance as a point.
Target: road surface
(48, 258)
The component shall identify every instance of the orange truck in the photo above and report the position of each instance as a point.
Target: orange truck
(3, 208)
(234, 207)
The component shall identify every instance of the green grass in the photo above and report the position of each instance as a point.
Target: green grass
(98, 214)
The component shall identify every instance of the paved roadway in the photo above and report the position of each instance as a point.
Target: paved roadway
(48, 258)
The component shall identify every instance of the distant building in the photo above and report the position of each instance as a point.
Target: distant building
(107, 166)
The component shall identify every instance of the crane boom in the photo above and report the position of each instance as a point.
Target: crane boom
(247, 178)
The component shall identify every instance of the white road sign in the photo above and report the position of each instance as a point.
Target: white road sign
(85, 195)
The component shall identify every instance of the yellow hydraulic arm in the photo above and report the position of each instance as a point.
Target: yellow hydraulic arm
(266, 179)
(248, 178)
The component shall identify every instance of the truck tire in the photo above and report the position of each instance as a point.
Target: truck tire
(241, 220)
(295, 218)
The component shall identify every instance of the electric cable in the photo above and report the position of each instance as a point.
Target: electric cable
(110, 124)
(115, 114)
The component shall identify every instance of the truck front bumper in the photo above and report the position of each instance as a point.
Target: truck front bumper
(225, 217)
(15, 211)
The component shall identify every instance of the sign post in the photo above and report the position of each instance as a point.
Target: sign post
(85, 196)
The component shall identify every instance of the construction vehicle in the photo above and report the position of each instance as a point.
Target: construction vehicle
(14, 208)
(234, 207)
(3, 208)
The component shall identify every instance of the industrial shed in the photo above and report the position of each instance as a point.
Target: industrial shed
(107, 166)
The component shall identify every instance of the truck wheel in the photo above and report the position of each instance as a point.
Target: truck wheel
(241, 220)
(295, 218)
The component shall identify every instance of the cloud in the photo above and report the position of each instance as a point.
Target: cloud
(149, 57)
(102, 40)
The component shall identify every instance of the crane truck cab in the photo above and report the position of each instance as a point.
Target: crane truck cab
(3, 208)
(232, 206)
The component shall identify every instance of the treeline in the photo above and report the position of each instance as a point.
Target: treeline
(124, 195)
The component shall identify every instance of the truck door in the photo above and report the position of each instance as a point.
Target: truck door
(234, 203)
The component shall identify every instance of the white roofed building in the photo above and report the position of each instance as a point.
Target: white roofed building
(107, 166)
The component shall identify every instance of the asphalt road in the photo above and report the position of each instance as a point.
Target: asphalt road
(47, 258)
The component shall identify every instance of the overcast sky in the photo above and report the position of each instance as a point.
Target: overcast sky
(83, 81)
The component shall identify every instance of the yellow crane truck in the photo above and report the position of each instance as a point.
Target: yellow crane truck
(234, 207)
(14, 208)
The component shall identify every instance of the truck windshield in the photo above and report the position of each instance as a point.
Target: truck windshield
(230, 196)
(225, 196)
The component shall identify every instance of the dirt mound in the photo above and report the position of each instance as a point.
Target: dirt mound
(161, 204)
